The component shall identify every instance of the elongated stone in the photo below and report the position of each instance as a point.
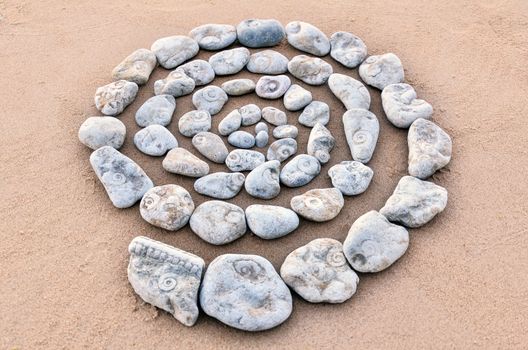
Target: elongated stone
(320, 143)
(244, 160)
(263, 181)
(155, 140)
(230, 123)
(347, 49)
(124, 181)
(214, 36)
(297, 97)
(300, 171)
(415, 202)
(361, 131)
(136, 67)
(315, 112)
(274, 116)
(402, 106)
(261, 126)
(174, 50)
(113, 98)
(97, 132)
(229, 62)
(198, 70)
(285, 131)
(282, 149)
(238, 87)
(218, 222)
(351, 177)
(429, 148)
(241, 139)
(156, 110)
(308, 38)
(311, 70)
(271, 221)
(272, 87)
(182, 162)
(319, 204)
(319, 272)
(382, 70)
(168, 206)
(166, 277)
(261, 139)
(220, 185)
(177, 84)
(351, 92)
(260, 32)
(267, 62)
(251, 114)
(211, 146)
(194, 122)
(210, 98)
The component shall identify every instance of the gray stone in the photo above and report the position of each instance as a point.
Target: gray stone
(261, 126)
(415, 202)
(361, 131)
(263, 181)
(261, 139)
(319, 204)
(198, 70)
(308, 38)
(285, 131)
(260, 32)
(272, 87)
(156, 110)
(218, 222)
(244, 160)
(211, 146)
(182, 162)
(315, 112)
(113, 98)
(166, 277)
(429, 148)
(168, 206)
(229, 62)
(155, 140)
(311, 70)
(382, 70)
(97, 132)
(402, 107)
(174, 50)
(220, 185)
(210, 99)
(320, 143)
(319, 272)
(271, 221)
(351, 92)
(282, 149)
(267, 62)
(250, 113)
(347, 49)
(373, 243)
(274, 116)
(230, 123)
(136, 67)
(238, 87)
(177, 84)
(241, 139)
(300, 170)
(124, 181)
(297, 97)
(214, 36)
(351, 177)
(193, 122)
(245, 292)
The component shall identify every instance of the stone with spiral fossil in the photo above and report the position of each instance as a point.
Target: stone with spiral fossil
(182, 162)
(272, 86)
(156, 110)
(402, 106)
(198, 70)
(351, 177)
(282, 149)
(229, 62)
(267, 62)
(347, 49)
(308, 38)
(361, 131)
(211, 146)
(176, 83)
(210, 98)
(285, 131)
(263, 181)
(218, 222)
(311, 70)
(220, 185)
(194, 122)
(300, 170)
(274, 116)
(244, 160)
(214, 36)
(319, 204)
(113, 98)
(382, 70)
(320, 143)
(315, 112)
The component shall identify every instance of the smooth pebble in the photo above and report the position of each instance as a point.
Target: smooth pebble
(244, 160)
(311, 70)
(296, 98)
(315, 112)
(136, 67)
(261, 139)
(260, 32)
(198, 70)
(155, 140)
(351, 92)
(156, 110)
(230, 123)
(193, 122)
(300, 170)
(177, 84)
(319, 204)
(220, 185)
(274, 116)
(308, 38)
(97, 132)
(229, 62)
(284, 131)
(251, 114)
(211, 146)
(261, 126)
(267, 62)
(214, 36)
(182, 162)
(263, 181)
(347, 49)
(174, 50)
(241, 139)
(238, 87)
(271, 221)
(210, 98)
(218, 222)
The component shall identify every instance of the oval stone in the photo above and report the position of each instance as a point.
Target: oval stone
(274, 116)
(261, 127)
(260, 32)
(218, 222)
(244, 160)
(285, 131)
(229, 62)
(272, 87)
(318, 204)
(238, 87)
(97, 132)
(211, 146)
(220, 185)
(241, 139)
(315, 112)
(230, 123)
(282, 149)
(297, 97)
(361, 131)
(347, 49)
(300, 171)
(250, 113)
(311, 70)
(174, 50)
(168, 206)
(155, 140)
(308, 38)
(261, 139)
(210, 99)
(182, 162)
(267, 62)
(271, 221)
(382, 70)
(194, 122)
(156, 110)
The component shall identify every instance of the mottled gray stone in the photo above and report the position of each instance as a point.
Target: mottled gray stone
(319, 204)
(274, 116)
(284, 131)
(429, 148)
(315, 112)
(347, 49)
(96, 132)
(229, 62)
(267, 62)
(156, 110)
(300, 170)
(271, 221)
(260, 32)
(297, 97)
(210, 99)
(124, 181)
(168, 206)
(113, 98)
(244, 160)
(415, 202)
(261, 139)
(382, 70)
(230, 123)
(182, 162)
(320, 143)
(136, 67)
(319, 272)
(272, 87)
(211, 146)
(238, 87)
(241, 139)
(263, 181)
(166, 277)
(251, 114)
(282, 149)
(218, 222)
(220, 185)
(311, 70)
(198, 70)
(402, 107)
(308, 38)
(193, 122)
(351, 92)
(351, 177)
(174, 50)
(261, 126)
(177, 84)
(155, 140)
(361, 131)
(245, 292)
(214, 36)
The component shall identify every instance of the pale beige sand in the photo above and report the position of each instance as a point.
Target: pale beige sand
(462, 284)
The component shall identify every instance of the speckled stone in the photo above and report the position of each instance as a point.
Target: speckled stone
(351, 177)
(113, 98)
(262, 139)
(177, 84)
(156, 110)
(220, 185)
(271, 221)
(284, 131)
(238, 87)
(382, 70)
(263, 181)
(282, 149)
(308, 38)
(402, 106)
(229, 62)
(251, 114)
(182, 162)
(230, 123)
(347, 49)
(137, 67)
(320, 143)
(315, 112)
(274, 116)
(311, 70)
(261, 126)
(272, 87)
(361, 131)
(214, 36)
(244, 160)
(168, 206)
(211, 146)
(300, 170)
(97, 132)
(319, 204)
(155, 140)
(267, 62)
(193, 122)
(218, 222)
(174, 50)
(260, 32)
(351, 92)
(198, 70)
(297, 97)
(210, 99)
(241, 139)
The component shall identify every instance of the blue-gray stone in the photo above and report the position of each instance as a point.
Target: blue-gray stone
(260, 32)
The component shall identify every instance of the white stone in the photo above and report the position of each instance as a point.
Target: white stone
(241, 139)
(311, 70)
(284, 131)
(97, 132)
(300, 171)
(182, 162)
(271, 221)
(230, 123)
(274, 116)
(351, 177)
(229, 62)
(282, 149)
(156, 110)
(155, 140)
(382, 70)
(263, 181)
(318, 204)
(297, 97)
(267, 62)
(351, 92)
(168, 206)
(174, 50)
(210, 98)
(251, 114)
(211, 146)
(402, 106)
(272, 87)
(308, 38)
(320, 143)
(214, 36)
(177, 84)
(198, 70)
(315, 112)
(220, 185)
(244, 160)
(238, 87)
(261, 139)
(136, 67)
(113, 98)
(361, 131)
(347, 49)
(218, 222)
(193, 122)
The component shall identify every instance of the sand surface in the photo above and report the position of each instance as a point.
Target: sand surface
(462, 283)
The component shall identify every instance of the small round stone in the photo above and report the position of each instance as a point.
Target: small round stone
(241, 139)
(229, 62)
(210, 98)
(182, 162)
(263, 181)
(361, 131)
(156, 110)
(174, 50)
(347, 49)
(351, 92)
(267, 62)
(230, 123)
(136, 67)
(155, 140)
(300, 171)
(320, 143)
(211, 146)
(198, 70)
(177, 84)
(218, 222)
(193, 122)
(113, 98)
(351, 177)
(214, 36)
(319, 204)
(274, 116)
(272, 87)
(311, 70)
(271, 221)
(315, 112)
(220, 185)
(261, 127)
(308, 38)
(238, 87)
(285, 131)
(297, 97)
(382, 70)
(97, 132)
(282, 149)
(261, 139)
(244, 160)
(402, 106)
(251, 114)
(260, 32)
